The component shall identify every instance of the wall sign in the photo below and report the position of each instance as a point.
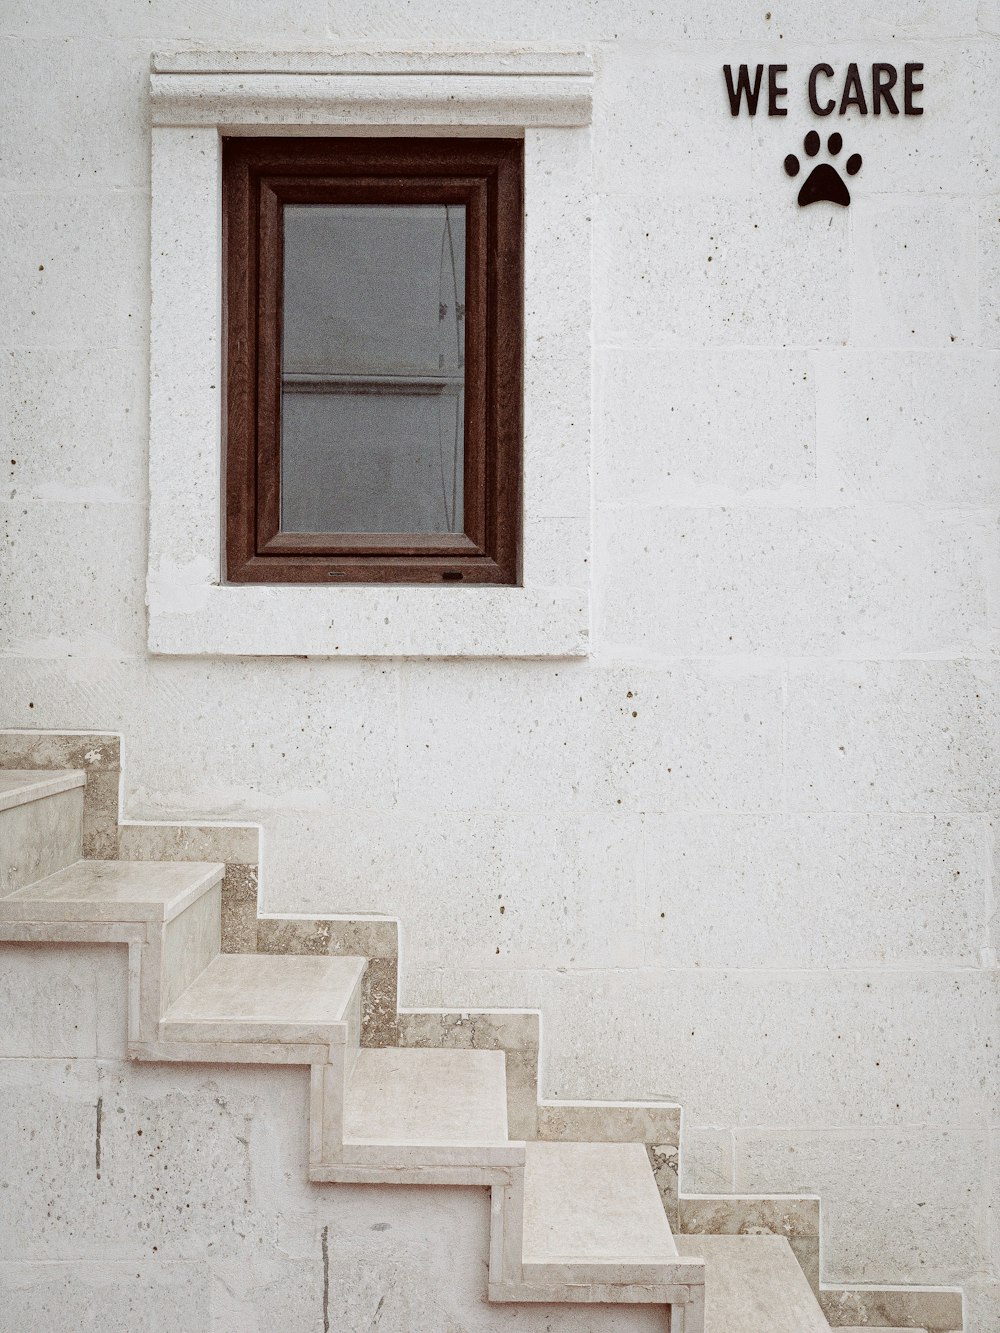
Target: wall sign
(883, 89)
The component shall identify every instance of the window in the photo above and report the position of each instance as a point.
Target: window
(373, 299)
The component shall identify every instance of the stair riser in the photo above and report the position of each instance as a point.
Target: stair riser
(39, 838)
(190, 942)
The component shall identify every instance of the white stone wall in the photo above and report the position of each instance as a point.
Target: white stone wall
(742, 854)
(173, 1198)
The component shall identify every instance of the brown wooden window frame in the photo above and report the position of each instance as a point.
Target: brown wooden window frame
(259, 176)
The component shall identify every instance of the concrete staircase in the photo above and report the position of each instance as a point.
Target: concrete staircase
(582, 1196)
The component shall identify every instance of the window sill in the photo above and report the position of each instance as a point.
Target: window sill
(367, 621)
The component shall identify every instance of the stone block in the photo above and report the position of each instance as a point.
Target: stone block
(557, 321)
(76, 265)
(694, 736)
(679, 426)
(119, 1161)
(61, 1002)
(904, 736)
(803, 583)
(909, 427)
(817, 891)
(226, 22)
(94, 608)
(921, 1309)
(90, 128)
(278, 1292)
(706, 1160)
(703, 273)
(116, 1297)
(913, 273)
(475, 736)
(745, 21)
(661, 115)
(51, 455)
(321, 742)
(982, 1300)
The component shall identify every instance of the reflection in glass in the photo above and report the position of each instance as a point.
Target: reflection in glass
(373, 368)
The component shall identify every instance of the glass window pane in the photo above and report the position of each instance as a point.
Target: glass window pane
(373, 368)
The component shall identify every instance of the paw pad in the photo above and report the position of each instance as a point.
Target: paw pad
(824, 182)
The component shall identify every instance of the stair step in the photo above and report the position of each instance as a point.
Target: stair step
(426, 1097)
(754, 1283)
(267, 998)
(113, 891)
(19, 786)
(592, 1213)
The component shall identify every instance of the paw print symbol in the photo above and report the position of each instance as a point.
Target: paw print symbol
(824, 182)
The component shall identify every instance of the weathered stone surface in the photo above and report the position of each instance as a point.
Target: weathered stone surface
(370, 938)
(239, 909)
(937, 1312)
(61, 1003)
(119, 1297)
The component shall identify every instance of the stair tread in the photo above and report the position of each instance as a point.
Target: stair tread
(592, 1205)
(426, 1097)
(18, 786)
(113, 891)
(754, 1282)
(272, 991)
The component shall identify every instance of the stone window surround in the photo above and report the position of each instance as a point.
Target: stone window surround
(196, 97)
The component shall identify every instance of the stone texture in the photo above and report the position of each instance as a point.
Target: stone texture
(913, 276)
(882, 582)
(658, 1127)
(706, 1163)
(656, 120)
(585, 1200)
(86, 131)
(166, 1174)
(39, 838)
(699, 273)
(668, 418)
(61, 1003)
(119, 1297)
(751, 1282)
(239, 909)
(938, 1312)
(449, 1097)
(892, 736)
(412, 1259)
(67, 255)
(989, 273)
(522, 880)
(370, 938)
(871, 1234)
(234, 843)
(49, 457)
(757, 891)
(909, 427)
